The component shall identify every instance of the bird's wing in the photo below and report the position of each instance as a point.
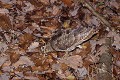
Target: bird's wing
(63, 42)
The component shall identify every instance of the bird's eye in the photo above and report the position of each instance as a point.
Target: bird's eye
(43, 48)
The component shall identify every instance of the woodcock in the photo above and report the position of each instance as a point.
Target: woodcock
(68, 40)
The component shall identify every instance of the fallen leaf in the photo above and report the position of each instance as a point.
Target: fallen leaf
(49, 28)
(5, 1)
(56, 10)
(31, 78)
(81, 72)
(67, 2)
(28, 30)
(6, 68)
(86, 49)
(66, 24)
(8, 37)
(52, 1)
(46, 2)
(5, 22)
(101, 50)
(116, 37)
(3, 46)
(5, 76)
(28, 7)
(76, 61)
(56, 67)
(74, 12)
(24, 60)
(3, 59)
(14, 57)
(4, 11)
(117, 63)
(71, 77)
(115, 4)
(33, 46)
(25, 39)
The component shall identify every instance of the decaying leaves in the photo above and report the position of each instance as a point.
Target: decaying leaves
(27, 25)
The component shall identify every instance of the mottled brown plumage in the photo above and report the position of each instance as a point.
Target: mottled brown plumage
(68, 40)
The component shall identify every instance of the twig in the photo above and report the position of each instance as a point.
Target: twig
(86, 4)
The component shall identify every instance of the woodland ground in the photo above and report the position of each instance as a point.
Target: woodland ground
(27, 25)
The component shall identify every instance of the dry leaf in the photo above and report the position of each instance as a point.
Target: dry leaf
(116, 36)
(115, 4)
(81, 72)
(101, 50)
(4, 11)
(46, 2)
(70, 77)
(49, 28)
(56, 67)
(25, 39)
(24, 60)
(74, 12)
(52, 1)
(3, 59)
(28, 30)
(67, 2)
(3, 46)
(8, 37)
(56, 10)
(5, 76)
(33, 46)
(66, 24)
(5, 1)
(31, 78)
(86, 49)
(28, 7)
(5, 22)
(118, 63)
(76, 61)
(92, 59)
(14, 57)
(23, 23)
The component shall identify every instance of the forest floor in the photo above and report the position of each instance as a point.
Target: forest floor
(28, 25)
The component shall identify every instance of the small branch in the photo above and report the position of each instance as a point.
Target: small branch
(96, 13)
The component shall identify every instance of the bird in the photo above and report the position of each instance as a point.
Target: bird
(66, 40)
